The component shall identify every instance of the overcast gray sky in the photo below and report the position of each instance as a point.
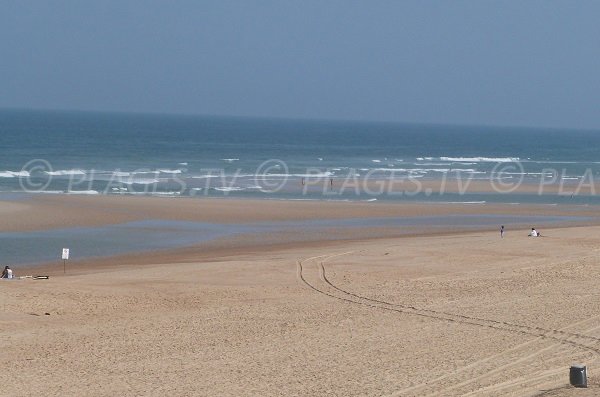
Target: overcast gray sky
(534, 63)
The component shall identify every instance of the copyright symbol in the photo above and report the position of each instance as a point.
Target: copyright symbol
(268, 168)
(36, 166)
(503, 170)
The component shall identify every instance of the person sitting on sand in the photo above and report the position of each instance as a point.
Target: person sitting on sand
(534, 233)
(7, 273)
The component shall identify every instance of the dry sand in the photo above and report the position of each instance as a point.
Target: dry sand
(448, 315)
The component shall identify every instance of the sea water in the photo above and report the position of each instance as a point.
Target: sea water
(176, 155)
(85, 242)
(272, 159)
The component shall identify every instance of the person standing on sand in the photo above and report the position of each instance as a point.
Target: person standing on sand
(7, 273)
(502, 231)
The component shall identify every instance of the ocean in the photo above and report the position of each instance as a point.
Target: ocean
(53, 152)
(175, 156)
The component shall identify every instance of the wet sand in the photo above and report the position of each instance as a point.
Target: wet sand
(453, 314)
(49, 211)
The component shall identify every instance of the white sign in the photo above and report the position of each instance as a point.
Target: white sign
(65, 254)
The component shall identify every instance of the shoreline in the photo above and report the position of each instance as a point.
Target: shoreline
(223, 251)
(54, 213)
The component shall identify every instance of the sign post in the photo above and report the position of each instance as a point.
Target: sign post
(65, 257)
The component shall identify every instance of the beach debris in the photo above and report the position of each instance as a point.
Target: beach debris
(578, 375)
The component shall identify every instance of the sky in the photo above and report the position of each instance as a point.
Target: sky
(515, 63)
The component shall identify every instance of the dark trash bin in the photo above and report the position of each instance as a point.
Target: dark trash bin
(578, 375)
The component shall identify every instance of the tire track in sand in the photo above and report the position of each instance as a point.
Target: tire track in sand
(495, 369)
(561, 336)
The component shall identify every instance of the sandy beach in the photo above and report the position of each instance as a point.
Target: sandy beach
(299, 199)
(453, 313)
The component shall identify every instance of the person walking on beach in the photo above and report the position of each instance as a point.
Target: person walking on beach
(502, 231)
(7, 273)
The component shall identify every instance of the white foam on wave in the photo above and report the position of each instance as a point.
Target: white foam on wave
(434, 164)
(170, 171)
(205, 176)
(158, 194)
(425, 170)
(408, 176)
(481, 159)
(424, 158)
(85, 192)
(315, 175)
(228, 188)
(182, 163)
(290, 199)
(166, 194)
(139, 181)
(549, 174)
(393, 169)
(65, 172)
(460, 202)
(371, 200)
(41, 191)
(230, 160)
(14, 174)
(376, 161)
(305, 199)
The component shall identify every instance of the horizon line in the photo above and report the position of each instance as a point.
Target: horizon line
(295, 118)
